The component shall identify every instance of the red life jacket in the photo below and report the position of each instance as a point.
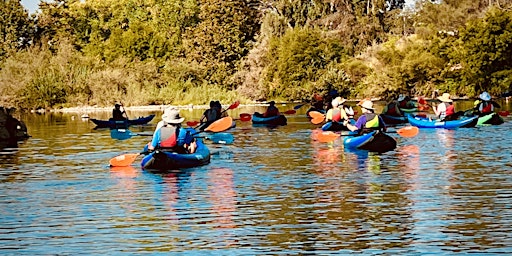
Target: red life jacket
(486, 107)
(392, 109)
(450, 109)
(336, 114)
(168, 136)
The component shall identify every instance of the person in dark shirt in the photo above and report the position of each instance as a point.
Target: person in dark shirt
(117, 114)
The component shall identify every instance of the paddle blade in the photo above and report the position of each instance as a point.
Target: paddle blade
(245, 117)
(504, 113)
(290, 112)
(408, 131)
(123, 160)
(325, 136)
(192, 123)
(220, 125)
(298, 106)
(317, 120)
(316, 114)
(234, 105)
(221, 138)
(422, 101)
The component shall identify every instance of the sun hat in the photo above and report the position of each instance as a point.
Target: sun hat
(338, 101)
(368, 104)
(401, 97)
(485, 96)
(445, 97)
(172, 116)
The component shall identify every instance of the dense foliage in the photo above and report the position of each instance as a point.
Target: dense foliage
(95, 52)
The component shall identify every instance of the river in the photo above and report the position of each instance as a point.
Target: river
(273, 191)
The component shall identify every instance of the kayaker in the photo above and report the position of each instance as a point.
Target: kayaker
(212, 114)
(117, 114)
(484, 105)
(445, 111)
(368, 121)
(405, 102)
(392, 108)
(271, 110)
(170, 136)
(337, 113)
(222, 113)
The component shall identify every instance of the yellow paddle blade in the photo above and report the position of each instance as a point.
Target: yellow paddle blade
(220, 125)
(408, 131)
(123, 160)
(316, 114)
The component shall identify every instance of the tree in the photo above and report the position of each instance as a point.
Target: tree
(14, 27)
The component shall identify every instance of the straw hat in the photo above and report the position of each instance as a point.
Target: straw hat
(485, 96)
(172, 116)
(368, 104)
(445, 97)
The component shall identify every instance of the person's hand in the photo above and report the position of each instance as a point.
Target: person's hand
(345, 122)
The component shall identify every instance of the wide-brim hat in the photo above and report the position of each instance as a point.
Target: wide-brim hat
(172, 116)
(401, 97)
(485, 96)
(445, 97)
(368, 104)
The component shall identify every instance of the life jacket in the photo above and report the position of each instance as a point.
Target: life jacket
(372, 123)
(485, 107)
(336, 115)
(271, 111)
(450, 110)
(169, 137)
(392, 109)
(403, 104)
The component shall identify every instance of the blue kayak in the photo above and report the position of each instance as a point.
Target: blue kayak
(423, 122)
(112, 124)
(164, 160)
(375, 141)
(258, 118)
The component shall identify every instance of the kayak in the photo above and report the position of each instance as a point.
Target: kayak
(423, 122)
(164, 160)
(375, 141)
(122, 123)
(336, 126)
(389, 119)
(490, 119)
(409, 110)
(257, 118)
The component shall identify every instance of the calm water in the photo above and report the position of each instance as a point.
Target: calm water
(274, 191)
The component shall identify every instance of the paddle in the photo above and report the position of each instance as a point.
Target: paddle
(219, 138)
(503, 113)
(232, 106)
(406, 132)
(317, 117)
(123, 134)
(299, 106)
(217, 126)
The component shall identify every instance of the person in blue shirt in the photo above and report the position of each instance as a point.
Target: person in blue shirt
(368, 121)
(170, 136)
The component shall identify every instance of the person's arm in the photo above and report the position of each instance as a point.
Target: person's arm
(359, 124)
(328, 115)
(154, 141)
(439, 109)
(382, 124)
(344, 115)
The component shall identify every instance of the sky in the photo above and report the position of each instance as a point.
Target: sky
(31, 5)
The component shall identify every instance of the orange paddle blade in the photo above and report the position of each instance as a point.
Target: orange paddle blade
(408, 131)
(290, 112)
(123, 160)
(245, 117)
(503, 113)
(325, 136)
(317, 120)
(422, 101)
(220, 125)
(316, 114)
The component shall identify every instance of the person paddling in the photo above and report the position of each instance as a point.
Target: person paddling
(337, 113)
(484, 105)
(117, 114)
(445, 111)
(271, 110)
(170, 136)
(210, 115)
(368, 121)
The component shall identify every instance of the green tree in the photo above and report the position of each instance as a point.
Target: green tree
(14, 27)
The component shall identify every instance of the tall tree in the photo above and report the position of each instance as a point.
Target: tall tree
(14, 27)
